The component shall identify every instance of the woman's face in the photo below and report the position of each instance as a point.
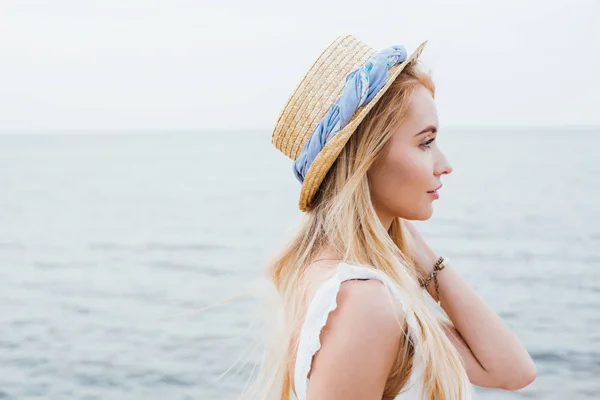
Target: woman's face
(411, 165)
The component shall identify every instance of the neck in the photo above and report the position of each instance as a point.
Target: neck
(385, 219)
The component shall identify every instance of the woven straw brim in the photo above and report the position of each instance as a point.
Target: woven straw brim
(319, 89)
(327, 156)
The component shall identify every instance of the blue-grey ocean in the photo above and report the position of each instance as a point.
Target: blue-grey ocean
(111, 244)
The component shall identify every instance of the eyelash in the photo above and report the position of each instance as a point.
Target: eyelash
(427, 143)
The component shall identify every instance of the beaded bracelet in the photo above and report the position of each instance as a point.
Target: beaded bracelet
(439, 265)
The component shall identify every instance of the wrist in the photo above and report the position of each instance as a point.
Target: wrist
(427, 266)
(431, 283)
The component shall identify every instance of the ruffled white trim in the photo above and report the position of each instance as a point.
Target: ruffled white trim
(322, 304)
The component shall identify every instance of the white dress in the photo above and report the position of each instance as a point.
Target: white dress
(325, 301)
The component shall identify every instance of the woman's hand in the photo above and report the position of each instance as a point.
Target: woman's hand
(493, 355)
(423, 256)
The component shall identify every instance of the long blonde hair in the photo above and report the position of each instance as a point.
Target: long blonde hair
(343, 217)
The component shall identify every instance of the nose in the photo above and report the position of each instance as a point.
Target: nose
(443, 166)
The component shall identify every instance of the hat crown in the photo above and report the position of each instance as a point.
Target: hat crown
(319, 89)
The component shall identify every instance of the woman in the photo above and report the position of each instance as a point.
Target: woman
(355, 282)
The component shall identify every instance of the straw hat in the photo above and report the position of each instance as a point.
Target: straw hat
(319, 89)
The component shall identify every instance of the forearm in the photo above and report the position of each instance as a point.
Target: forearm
(489, 339)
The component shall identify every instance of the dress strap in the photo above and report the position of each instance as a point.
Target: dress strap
(321, 305)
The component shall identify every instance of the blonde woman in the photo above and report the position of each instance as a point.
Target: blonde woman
(355, 283)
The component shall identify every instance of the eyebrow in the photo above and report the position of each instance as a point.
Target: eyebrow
(429, 128)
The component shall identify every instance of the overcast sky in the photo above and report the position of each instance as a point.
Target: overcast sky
(118, 64)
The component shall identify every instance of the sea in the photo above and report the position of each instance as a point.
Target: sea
(125, 255)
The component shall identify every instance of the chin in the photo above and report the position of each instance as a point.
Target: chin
(420, 215)
(426, 213)
(424, 217)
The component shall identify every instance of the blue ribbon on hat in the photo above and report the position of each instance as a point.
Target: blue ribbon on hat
(362, 84)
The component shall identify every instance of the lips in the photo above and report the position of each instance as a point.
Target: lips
(431, 191)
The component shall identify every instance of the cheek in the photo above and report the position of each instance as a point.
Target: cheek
(415, 167)
(403, 167)
(391, 174)
(400, 175)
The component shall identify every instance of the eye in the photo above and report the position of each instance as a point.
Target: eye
(427, 143)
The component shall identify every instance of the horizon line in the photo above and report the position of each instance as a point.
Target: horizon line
(214, 130)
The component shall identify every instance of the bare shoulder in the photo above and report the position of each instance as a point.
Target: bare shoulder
(359, 343)
(367, 303)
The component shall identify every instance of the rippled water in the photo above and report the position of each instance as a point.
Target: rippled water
(103, 236)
